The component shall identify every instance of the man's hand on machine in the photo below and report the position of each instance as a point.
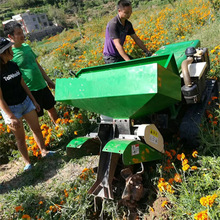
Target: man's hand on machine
(148, 53)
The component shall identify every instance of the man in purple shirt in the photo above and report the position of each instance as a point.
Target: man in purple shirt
(116, 32)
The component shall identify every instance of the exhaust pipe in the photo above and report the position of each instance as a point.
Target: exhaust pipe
(189, 90)
(185, 71)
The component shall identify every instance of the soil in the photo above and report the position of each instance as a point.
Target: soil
(157, 211)
(13, 177)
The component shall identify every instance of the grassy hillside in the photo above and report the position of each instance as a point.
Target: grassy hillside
(184, 185)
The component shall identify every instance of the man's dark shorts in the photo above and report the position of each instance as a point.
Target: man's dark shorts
(114, 59)
(45, 99)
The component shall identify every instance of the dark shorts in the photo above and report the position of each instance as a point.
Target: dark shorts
(114, 59)
(45, 99)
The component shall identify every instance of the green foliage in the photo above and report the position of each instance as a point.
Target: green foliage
(7, 143)
(57, 15)
(24, 3)
(210, 131)
(195, 185)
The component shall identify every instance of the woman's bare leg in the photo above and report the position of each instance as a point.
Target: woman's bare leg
(21, 144)
(32, 120)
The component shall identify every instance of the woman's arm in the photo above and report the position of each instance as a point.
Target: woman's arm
(26, 89)
(15, 122)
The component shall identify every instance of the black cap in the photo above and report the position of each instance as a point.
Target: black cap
(4, 44)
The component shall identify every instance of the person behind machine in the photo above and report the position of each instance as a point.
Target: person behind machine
(116, 31)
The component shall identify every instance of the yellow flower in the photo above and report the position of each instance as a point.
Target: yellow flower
(161, 180)
(59, 135)
(185, 167)
(183, 156)
(164, 203)
(184, 162)
(151, 209)
(194, 168)
(195, 154)
(177, 178)
(203, 215)
(208, 200)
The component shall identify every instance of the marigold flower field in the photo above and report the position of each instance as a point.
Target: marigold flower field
(187, 179)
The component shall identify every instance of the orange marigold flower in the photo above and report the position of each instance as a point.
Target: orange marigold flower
(161, 180)
(151, 209)
(194, 167)
(214, 122)
(51, 207)
(203, 215)
(58, 120)
(80, 116)
(186, 167)
(164, 203)
(75, 132)
(214, 97)
(66, 195)
(183, 156)
(44, 126)
(210, 116)
(178, 156)
(208, 200)
(84, 170)
(184, 162)
(170, 189)
(59, 135)
(162, 186)
(8, 129)
(26, 217)
(195, 154)
(173, 152)
(66, 114)
(177, 178)
(19, 208)
(170, 181)
(168, 154)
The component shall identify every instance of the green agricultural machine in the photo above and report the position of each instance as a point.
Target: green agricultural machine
(138, 100)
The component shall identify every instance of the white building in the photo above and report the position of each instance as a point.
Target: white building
(30, 22)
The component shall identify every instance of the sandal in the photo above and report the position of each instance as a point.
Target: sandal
(28, 167)
(49, 154)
